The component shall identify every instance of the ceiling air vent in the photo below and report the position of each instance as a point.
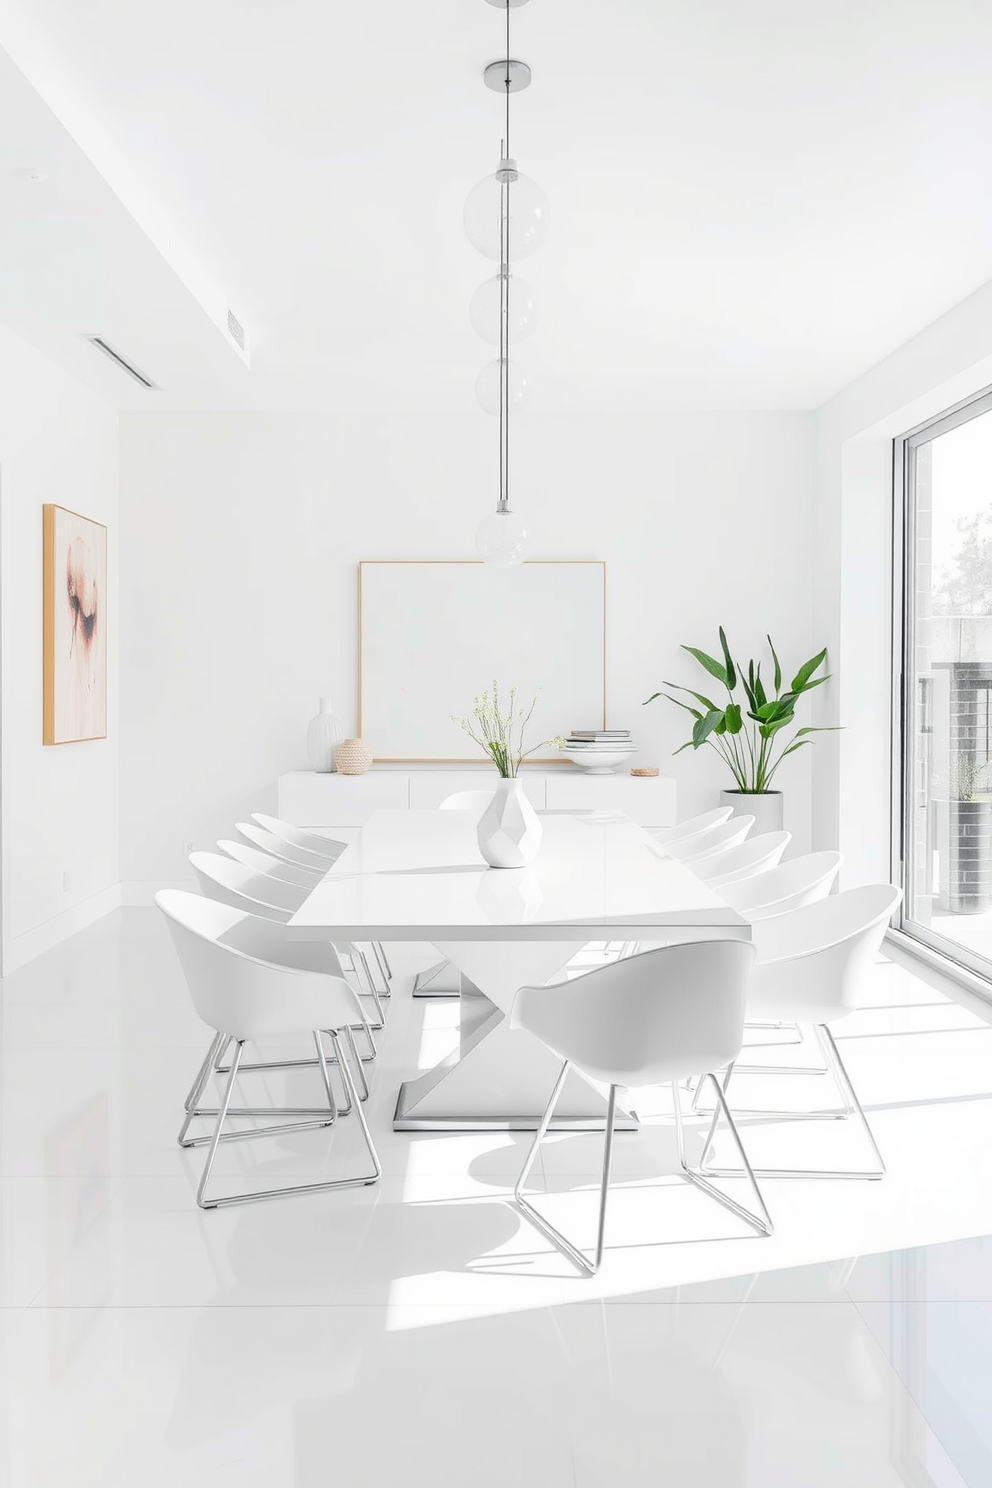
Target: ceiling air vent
(235, 329)
(121, 362)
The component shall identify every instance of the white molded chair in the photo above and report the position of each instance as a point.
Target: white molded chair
(244, 995)
(433, 982)
(693, 826)
(231, 883)
(813, 966)
(747, 860)
(263, 862)
(301, 857)
(312, 842)
(728, 834)
(655, 1018)
(804, 880)
(277, 847)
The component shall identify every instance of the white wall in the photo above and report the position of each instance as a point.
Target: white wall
(241, 535)
(59, 807)
(947, 362)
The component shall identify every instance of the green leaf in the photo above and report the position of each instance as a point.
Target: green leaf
(778, 668)
(759, 690)
(825, 728)
(807, 669)
(798, 744)
(713, 667)
(777, 708)
(650, 699)
(766, 730)
(700, 698)
(687, 706)
(752, 701)
(704, 727)
(687, 745)
(731, 669)
(733, 717)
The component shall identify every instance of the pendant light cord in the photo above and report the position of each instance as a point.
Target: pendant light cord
(504, 300)
(507, 79)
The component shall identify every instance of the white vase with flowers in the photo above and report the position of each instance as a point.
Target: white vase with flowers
(509, 831)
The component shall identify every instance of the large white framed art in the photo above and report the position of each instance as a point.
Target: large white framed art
(432, 635)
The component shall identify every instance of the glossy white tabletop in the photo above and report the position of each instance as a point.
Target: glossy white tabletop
(418, 875)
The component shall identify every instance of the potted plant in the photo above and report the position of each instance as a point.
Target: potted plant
(510, 830)
(969, 809)
(749, 730)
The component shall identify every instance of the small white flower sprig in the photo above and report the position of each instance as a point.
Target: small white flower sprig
(494, 730)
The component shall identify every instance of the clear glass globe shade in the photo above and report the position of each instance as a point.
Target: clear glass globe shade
(529, 217)
(487, 388)
(501, 539)
(484, 310)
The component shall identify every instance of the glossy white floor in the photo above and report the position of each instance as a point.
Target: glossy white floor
(420, 1332)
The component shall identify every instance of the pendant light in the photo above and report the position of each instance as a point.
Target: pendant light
(506, 218)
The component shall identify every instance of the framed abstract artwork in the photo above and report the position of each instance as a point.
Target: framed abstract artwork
(74, 627)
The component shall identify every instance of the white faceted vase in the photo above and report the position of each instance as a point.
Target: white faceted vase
(510, 829)
(324, 734)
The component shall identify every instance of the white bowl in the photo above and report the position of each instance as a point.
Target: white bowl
(598, 761)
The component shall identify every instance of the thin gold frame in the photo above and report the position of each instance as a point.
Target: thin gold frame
(465, 563)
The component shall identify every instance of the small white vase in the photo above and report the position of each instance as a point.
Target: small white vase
(765, 807)
(509, 830)
(324, 734)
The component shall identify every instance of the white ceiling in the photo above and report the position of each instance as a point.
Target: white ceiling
(751, 202)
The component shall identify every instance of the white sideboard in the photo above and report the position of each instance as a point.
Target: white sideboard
(310, 800)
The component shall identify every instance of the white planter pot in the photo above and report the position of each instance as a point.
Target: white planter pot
(324, 734)
(766, 808)
(509, 830)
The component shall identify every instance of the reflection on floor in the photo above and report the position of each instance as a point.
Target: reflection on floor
(421, 1332)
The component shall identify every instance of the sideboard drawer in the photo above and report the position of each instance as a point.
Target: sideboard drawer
(648, 800)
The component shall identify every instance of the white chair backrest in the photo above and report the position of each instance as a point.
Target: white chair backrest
(467, 801)
(663, 1015)
(263, 862)
(323, 847)
(246, 979)
(802, 881)
(693, 826)
(748, 859)
(727, 834)
(232, 883)
(277, 848)
(814, 961)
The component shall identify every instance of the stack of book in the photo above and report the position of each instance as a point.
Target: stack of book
(599, 739)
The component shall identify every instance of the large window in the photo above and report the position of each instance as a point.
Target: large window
(946, 684)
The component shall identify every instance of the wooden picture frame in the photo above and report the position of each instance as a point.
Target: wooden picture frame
(74, 627)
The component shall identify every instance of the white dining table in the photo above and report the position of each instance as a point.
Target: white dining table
(419, 876)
